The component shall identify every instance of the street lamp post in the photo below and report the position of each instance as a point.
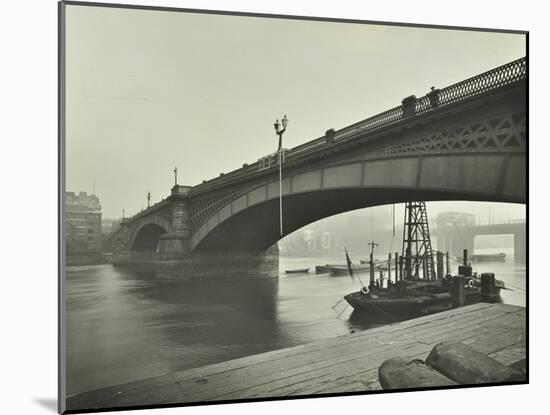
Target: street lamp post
(280, 131)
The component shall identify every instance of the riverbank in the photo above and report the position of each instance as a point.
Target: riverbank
(346, 363)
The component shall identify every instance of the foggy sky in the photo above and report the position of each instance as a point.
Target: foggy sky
(150, 90)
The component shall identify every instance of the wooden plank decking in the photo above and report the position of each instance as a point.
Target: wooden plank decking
(342, 364)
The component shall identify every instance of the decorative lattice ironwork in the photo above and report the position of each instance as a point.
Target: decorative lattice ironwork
(498, 134)
(204, 207)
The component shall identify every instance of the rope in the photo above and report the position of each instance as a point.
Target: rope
(391, 244)
(371, 225)
(341, 312)
(393, 233)
(455, 259)
(342, 299)
(516, 287)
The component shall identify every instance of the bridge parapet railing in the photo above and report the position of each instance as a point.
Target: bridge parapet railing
(380, 120)
(488, 81)
(310, 145)
(479, 84)
(503, 222)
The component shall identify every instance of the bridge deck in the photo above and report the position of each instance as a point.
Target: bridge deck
(343, 364)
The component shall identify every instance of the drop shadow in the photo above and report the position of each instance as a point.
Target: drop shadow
(48, 403)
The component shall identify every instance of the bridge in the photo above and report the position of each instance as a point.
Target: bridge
(464, 142)
(454, 239)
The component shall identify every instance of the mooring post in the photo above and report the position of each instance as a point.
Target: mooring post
(389, 269)
(488, 287)
(424, 268)
(439, 265)
(396, 267)
(371, 270)
(407, 271)
(458, 294)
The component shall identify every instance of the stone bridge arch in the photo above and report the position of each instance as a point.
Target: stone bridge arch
(146, 232)
(250, 222)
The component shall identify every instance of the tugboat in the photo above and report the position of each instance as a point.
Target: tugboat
(402, 299)
(408, 298)
(473, 284)
(411, 295)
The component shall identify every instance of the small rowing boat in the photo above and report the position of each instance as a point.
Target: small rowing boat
(324, 269)
(338, 270)
(297, 271)
(500, 257)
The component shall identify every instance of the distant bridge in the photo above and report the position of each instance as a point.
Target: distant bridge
(463, 142)
(454, 239)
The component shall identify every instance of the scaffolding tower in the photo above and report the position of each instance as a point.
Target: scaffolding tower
(417, 246)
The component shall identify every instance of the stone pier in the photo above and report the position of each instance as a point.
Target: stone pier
(168, 255)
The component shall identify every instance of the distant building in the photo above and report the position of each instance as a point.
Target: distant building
(109, 225)
(83, 228)
(310, 239)
(327, 240)
(455, 219)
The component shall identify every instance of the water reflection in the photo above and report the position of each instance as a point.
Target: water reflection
(122, 326)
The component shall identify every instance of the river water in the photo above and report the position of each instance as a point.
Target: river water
(123, 327)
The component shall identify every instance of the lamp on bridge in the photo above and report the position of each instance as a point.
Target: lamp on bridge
(280, 133)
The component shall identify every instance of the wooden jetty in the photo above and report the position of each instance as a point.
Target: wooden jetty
(346, 363)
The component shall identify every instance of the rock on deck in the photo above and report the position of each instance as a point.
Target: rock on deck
(342, 364)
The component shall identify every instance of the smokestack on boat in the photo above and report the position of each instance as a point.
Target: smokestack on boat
(465, 270)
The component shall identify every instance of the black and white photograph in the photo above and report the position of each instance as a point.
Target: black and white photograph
(262, 207)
